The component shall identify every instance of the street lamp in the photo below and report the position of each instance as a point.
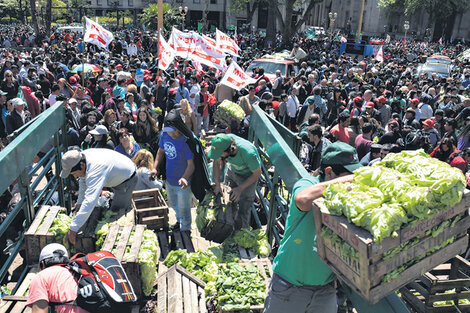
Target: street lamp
(183, 13)
(385, 30)
(332, 17)
(406, 26)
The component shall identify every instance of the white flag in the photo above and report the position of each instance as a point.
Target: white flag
(236, 78)
(182, 42)
(166, 54)
(380, 55)
(97, 34)
(226, 44)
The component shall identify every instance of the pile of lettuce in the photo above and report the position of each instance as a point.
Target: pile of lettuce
(148, 259)
(231, 285)
(253, 239)
(228, 111)
(401, 189)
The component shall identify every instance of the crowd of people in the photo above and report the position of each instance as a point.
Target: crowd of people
(337, 103)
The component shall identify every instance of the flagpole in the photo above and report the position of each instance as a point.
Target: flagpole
(84, 52)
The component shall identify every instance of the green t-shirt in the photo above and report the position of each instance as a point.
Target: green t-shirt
(297, 260)
(247, 158)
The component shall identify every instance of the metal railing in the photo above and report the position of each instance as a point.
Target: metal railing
(280, 147)
(16, 166)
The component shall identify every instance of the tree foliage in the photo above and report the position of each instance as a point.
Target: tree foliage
(439, 8)
(285, 21)
(171, 17)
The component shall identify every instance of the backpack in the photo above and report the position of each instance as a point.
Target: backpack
(103, 285)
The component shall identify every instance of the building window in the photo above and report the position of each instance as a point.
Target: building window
(130, 3)
(213, 1)
(196, 1)
(110, 3)
(121, 3)
(99, 2)
(179, 1)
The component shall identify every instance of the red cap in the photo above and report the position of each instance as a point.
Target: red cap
(429, 123)
(357, 99)
(204, 84)
(118, 65)
(370, 104)
(382, 99)
(72, 80)
(147, 77)
(415, 101)
(172, 91)
(181, 80)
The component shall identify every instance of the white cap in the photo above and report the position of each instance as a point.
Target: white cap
(17, 101)
(99, 130)
(51, 250)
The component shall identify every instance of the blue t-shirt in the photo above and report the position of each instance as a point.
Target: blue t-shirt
(177, 155)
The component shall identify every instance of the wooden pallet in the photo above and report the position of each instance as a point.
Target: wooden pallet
(38, 235)
(179, 291)
(423, 293)
(181, 240)
(150, 209)
(246, 253)
(16, 303)
(365, 273)
(129, 262)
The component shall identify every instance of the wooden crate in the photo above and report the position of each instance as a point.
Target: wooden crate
(150, 209)
(422, 293)
(16, 303)
(262, 264)
(163, 244)
(182, 240)
(222, 225)
(86, 236)
(246, 253)
(130, 263)
(38, 235)
(179, 291)
(365, 274)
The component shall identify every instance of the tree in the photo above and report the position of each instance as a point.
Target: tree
(250, 6)
(34, 16)
(171, 17)
(441, 12)
(288, 30)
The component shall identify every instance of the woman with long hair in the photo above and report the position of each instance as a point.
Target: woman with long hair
(146, 130)
(188, 116)
(109, 121)
(144, 162)
(444, 150)
(10, 85)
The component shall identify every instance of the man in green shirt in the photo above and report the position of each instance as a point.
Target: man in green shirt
(301, 281)
(243, 172)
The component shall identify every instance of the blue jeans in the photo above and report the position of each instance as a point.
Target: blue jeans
(180, 201)
(204, 120)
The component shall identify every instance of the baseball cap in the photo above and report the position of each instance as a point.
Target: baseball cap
(17, 101)
(69, 160)
(172, 91)
(429, 123)
(370, 104)
(219, 144)
(51, 250)
(99, 130)
(382, 99)
(340, 153)
(358, 99)
(168, 129)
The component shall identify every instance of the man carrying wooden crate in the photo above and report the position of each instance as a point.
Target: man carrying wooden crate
(301, 281)
(242, 174)
(98, 168)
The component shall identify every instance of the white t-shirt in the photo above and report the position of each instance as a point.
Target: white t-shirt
(195, 89)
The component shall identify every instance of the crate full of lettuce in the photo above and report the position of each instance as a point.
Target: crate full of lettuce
(393, 222)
